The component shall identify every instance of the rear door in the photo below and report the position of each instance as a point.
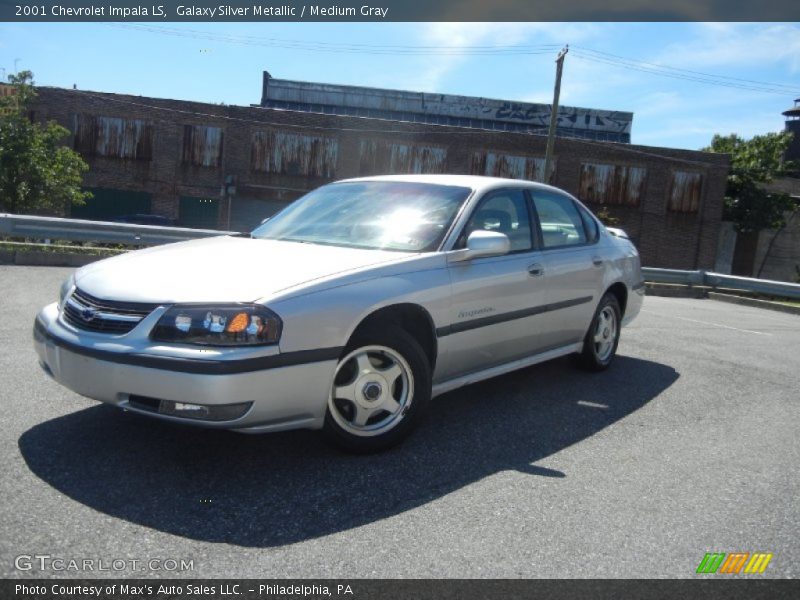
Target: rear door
(493, 315)
(573, 266)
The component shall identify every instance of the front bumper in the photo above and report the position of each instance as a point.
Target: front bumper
(634, 304)
(287, 391)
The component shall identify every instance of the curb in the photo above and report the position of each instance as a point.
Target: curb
(667, 290)
(47, 259)
(776, 306)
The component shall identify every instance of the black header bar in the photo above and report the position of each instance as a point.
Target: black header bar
(163, 11)
(712, 588)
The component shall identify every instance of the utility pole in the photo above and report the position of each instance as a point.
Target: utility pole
(551, 134)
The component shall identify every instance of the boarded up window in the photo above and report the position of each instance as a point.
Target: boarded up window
(293, 154)
(612, 184)
(494, 164)
(202, 146)
(113, 137)
(684, 192)
(378, 157)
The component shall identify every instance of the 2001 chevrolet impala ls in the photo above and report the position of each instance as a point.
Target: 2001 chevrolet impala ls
(349, 309)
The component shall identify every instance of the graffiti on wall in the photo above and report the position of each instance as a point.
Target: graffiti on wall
(538, 115)
(352, 99)
(534, 115)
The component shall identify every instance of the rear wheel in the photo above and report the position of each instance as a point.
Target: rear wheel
(379, 390)
(602, 339)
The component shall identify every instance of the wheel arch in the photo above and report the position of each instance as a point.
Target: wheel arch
(410, 317)
(620, 291)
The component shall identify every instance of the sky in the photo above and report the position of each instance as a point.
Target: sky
(223, 63)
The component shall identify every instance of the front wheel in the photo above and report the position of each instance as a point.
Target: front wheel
(381, 385)
(600, 343)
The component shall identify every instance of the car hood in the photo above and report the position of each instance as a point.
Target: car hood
(220, 269)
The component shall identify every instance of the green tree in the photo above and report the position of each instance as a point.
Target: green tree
(38, 174)
(754, 163)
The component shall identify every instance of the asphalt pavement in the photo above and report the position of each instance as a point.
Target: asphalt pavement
(688, 444)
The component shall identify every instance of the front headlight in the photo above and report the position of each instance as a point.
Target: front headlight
(66, 288)
(218, 325)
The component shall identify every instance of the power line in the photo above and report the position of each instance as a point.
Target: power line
(580, 56)
(790, 88)
(765, 89)
(182, 31)
(579, 52)
(630, 65)
(345, 48)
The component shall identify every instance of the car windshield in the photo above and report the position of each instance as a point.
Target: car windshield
(387, 215)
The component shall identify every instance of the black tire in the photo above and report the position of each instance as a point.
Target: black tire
(404, 352)
(598, 356)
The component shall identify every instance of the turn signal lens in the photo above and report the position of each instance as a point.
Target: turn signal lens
(238, 323)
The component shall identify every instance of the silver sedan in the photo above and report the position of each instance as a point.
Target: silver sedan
(348, 310)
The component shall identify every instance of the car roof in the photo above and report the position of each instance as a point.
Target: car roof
(479, 183)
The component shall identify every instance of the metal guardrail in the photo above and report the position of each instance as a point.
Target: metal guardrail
(720, 280)
(27, 226)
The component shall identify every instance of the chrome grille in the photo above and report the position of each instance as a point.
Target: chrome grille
(86, 312)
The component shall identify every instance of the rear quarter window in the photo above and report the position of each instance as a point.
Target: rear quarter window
(589, 225)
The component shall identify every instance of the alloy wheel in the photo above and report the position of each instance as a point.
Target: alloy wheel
(372, 390)
(605, 333)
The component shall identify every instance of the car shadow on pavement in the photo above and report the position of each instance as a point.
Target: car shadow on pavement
(270, 490)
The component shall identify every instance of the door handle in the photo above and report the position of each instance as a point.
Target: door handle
(535, 270)
(597, 261)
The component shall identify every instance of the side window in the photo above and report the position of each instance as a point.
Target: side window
(505, 211)
(560, 220)
(589, 225)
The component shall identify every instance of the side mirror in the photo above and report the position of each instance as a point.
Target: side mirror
(481, 244)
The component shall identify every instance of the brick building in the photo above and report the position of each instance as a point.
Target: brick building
(174, 158)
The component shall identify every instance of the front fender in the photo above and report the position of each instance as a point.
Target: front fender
(328, 318)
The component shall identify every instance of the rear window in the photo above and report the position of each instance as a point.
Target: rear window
(560, 220)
